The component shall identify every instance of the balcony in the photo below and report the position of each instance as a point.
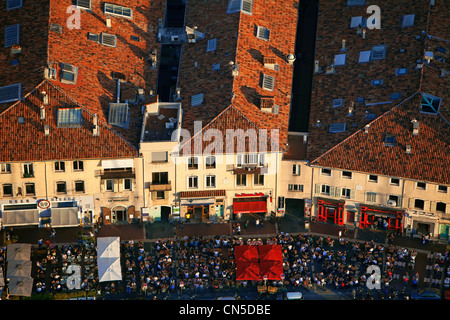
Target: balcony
(115, 174)
(247, 169)
(160, 186)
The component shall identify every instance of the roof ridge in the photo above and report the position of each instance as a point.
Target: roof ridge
(359, 131)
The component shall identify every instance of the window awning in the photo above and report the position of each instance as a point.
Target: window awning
(117, 163)
(20, 217)
(65, 217)
(250, 205)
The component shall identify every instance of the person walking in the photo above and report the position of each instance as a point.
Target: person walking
(257, 223)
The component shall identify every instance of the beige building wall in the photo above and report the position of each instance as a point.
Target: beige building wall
(83, 182)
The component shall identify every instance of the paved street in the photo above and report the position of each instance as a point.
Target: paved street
(290, 224)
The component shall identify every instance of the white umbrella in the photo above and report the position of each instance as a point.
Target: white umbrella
(18, 268)
(20, 286)
(109, 269)
(18, 251)
(108, 247)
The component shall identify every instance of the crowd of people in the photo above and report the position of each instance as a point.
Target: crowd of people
(181, 265)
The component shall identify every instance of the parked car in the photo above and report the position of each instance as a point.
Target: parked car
(426, 294)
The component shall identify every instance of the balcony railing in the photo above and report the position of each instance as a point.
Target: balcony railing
(115, 174)
(160, 186)
(247, 169)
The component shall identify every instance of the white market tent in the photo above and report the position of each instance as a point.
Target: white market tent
(109, 269)
(108, 247)
(108, 259)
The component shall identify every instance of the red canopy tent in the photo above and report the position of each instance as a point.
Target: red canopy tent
(258, 262)
(246, 259)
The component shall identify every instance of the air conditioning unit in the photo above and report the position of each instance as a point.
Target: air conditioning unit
(392, 203)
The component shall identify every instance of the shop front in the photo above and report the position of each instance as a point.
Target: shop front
(331, 211)
(202, 206)
(249, 203)
(381, 218)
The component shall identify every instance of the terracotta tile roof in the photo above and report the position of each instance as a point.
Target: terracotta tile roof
(354, 79)
(430, 148)
(202, 194)
(237, 43)
(27, 141)
(228, 124)
(95, 87)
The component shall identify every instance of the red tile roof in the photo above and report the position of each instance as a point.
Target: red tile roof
(430, 148)
(95, 86)
(27, 141)
(237, 43)
(354, 79)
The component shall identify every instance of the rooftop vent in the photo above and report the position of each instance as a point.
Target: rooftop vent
(408, 149)
(42, 112)
(416, 126)
(96, 129)
(46, 129)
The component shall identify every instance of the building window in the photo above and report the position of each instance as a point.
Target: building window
(378, 52)
(211, 45)
(419, 204)
(79, 186)
(395, 181)
(393, 201)
(118, 10)
(160, 195)
(5, 167)
(13, 4)
(421, 185)
(78, 165)
(296, 169)
(345, 192)
(430, 104)
(210, 181)
(61, 187)
(442, 189)
(241, 180)
(7, 190)
(373, 178)
(371, 197)
(295, 187)
(160, 178)
(127, 184)
(69, 73)
(70, 118)
(347, 174)
(325, 189)
(193, 182)
(109, 185)
(108, 40)
(11, 93)
(262, 33)
(192, 163)
(258, 179)
(246, 6)
(159, 156)
(268, 82)
(197, 100)
(408, 20)
(441, 207)
(12, 35)
(29, 189)
(60, 166)
(325, 172)
(28, 170)
(210, 162)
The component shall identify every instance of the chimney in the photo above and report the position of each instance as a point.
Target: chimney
(44, 98)
(46, 129)
(408, 149)
(343, 49)
(416, 126)
(366, 128)
(95, 131)
(316, 66)
(364, 33)
(290, 59)
(108, 21)
(350, 109)
(42, 112)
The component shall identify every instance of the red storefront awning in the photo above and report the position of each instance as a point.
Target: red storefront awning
(250, 205)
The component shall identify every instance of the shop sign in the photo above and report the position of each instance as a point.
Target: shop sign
(256, 194)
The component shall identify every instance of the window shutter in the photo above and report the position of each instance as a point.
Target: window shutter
(332, 191)
(338, 192)
(352, 194)
(317, 188)
(400, 202)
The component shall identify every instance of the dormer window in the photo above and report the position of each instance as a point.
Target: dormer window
(68, 73)
(430, 104)
(13, 4)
